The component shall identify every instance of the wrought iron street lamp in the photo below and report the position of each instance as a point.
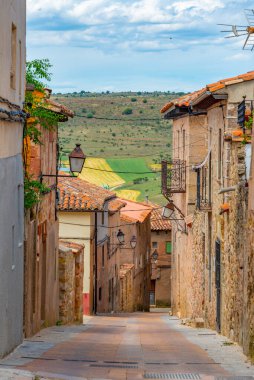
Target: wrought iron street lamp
(120, 236)
(155, 255)
(77, 159)
(133, 242)
(168, 210)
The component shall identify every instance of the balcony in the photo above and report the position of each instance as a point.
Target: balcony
(173, 177)
(204, 192)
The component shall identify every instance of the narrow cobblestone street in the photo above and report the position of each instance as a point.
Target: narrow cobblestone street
(134, 346)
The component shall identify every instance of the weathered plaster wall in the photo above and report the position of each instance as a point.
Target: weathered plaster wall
(11, 179)
(11, 253)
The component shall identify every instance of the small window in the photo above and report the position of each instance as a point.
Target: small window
(168, 247)
(100, 294)
(102, 218)
(154, 244)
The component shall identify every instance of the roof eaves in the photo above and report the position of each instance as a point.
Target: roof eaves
(207, 94)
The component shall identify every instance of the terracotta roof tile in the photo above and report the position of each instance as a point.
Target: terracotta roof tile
(184, 100)
(79, 195)
(116, 205)
(157, 222)
(222, 83)
(59, 108)
(135, 212)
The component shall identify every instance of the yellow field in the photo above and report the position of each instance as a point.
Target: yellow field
(97, 177)
(131, 195)
(155, 167)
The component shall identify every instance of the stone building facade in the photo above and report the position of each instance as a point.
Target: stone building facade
(216, 273)
(248, 339)
(189, 148)
(108, 262)
(41, 286)
(160, 286)
(12, 91)
(135, 262)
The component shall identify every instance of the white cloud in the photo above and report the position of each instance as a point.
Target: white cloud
(121, 29)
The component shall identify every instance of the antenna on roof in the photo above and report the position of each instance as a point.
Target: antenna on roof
(243, 30)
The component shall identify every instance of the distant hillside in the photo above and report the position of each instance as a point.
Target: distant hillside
(138, 133)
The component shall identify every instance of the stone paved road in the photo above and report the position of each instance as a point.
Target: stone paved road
(130, 347)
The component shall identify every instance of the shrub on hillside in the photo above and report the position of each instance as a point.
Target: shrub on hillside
(127, 111)
(133, 99)
(89, 115)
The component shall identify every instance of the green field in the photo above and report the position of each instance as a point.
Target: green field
(131, 143)
(148, 183)
(135, 165)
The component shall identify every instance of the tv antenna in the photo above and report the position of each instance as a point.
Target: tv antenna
(246, 30)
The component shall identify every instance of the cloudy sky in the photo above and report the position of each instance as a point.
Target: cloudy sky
(99, 45)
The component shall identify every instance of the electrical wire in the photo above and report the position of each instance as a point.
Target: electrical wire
(119, 119)
(109, 227)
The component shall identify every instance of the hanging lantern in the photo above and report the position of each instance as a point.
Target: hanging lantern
(168, 210)
(120, 236)
(77, 159)
(133, 242)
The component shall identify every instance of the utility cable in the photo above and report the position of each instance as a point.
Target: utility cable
(119, 119)
(109, 227)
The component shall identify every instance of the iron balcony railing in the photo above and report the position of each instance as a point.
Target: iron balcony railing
(204, 191)
(173, 177)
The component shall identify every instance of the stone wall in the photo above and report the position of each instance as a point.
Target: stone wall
(66, 285)
(223, 308)
(70, 282)
(127, 288)
(190, 145)
(249, 298)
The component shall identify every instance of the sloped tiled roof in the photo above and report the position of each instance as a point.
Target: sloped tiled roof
(58, 108)
(134, 212)
(116, 205)
(157, 222)
(79, 195)
(186, 100)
